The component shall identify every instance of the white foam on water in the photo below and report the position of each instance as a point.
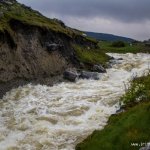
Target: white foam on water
(57, 118)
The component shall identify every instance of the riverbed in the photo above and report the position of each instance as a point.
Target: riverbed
(40, 117)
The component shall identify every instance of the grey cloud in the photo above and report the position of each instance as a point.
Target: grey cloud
(123, 10)
(122, 17)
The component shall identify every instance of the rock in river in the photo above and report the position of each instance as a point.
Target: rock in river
(99, 68)
(89, 75)
(71, 75)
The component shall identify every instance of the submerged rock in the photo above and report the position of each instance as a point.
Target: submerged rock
(89, 75)
(114, 62)
(71, 75)
(99, 68)
(120, 59)
(120, 111)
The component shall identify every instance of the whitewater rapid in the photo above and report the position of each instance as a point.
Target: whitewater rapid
(57, 118)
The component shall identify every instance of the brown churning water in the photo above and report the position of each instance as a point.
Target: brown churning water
(57, 118)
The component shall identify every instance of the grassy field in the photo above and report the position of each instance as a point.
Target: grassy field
(127, 128)
(134, 48)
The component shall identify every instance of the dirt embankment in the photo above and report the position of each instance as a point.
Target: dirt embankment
(34, 54)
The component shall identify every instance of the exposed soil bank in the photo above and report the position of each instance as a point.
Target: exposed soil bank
(31, 54)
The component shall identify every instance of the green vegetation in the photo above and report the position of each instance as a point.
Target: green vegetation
(138, 91)
(28, 16)
(128, 48)
(118, 44)
(122, 130)
(131, 126)
(91, 56)
(25, 15)
(91, 39)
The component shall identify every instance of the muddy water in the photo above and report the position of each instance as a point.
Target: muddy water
(57, 118)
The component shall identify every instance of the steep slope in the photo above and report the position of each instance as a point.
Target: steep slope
(33, 47)
(108, 37)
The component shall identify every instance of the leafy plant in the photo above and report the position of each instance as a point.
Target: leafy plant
(139, 90)
(135, 93)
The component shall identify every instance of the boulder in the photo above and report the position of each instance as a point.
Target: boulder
(114, 62)
(120, 59)
(52, 46)
(99, 68)
(89, 75)
(71, 75)
(120, 111)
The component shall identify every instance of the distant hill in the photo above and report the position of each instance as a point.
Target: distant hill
(108, 37)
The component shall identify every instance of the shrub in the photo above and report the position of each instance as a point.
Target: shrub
(118, 44)
(138, 91)
(135, 93)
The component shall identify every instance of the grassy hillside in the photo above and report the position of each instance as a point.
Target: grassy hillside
(91, 56)
(125, 129)
(26, 34)
(26, 15)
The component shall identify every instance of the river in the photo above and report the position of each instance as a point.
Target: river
(58, 117)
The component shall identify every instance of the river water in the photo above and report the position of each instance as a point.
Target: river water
(57, 118)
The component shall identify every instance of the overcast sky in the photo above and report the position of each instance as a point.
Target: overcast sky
(129, 18)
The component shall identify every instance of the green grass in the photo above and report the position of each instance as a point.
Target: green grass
(91, 56)
(132, 126)
(129, 127)
(91, 39)
(138, 91)
(30, 17)
(135, 48)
